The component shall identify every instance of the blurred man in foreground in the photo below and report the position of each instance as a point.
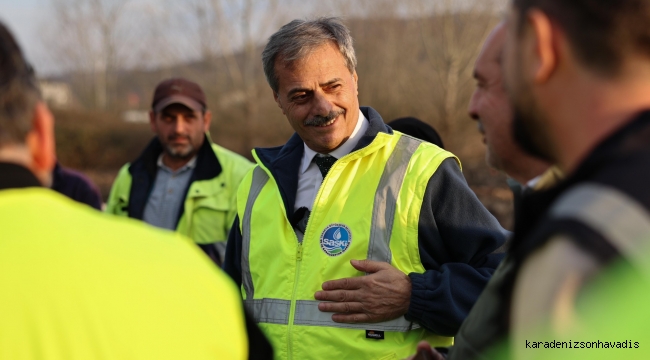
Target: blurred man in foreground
(492, 109)
(347, 197)
(182, 181)
(75, 283)
(579, 76)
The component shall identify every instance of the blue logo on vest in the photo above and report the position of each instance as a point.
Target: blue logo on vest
(335, 239)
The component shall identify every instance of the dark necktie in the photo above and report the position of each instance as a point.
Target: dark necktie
(324, 163)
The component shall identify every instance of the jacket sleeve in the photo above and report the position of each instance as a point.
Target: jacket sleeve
(121, 185)
(460, 245)
(232, 260)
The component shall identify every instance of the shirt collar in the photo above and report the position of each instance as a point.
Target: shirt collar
(534, 181)
(190, 165)
(341, 151)
(16, 176)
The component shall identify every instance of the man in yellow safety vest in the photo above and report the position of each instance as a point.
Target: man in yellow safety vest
(345, 197)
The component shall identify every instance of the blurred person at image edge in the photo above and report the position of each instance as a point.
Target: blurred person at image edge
(75, 283)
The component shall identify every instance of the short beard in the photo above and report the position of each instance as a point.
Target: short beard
(529, 136)
(528, 124)
(175, 154)
(319, 120)
(184, 154)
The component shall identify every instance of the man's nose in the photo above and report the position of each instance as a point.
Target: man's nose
(179, 124)
(472, 110)
(322, 105)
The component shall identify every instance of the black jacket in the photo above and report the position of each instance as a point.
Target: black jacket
(621, 162)
(144, 169)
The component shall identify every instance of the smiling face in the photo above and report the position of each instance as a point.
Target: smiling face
(318, 95)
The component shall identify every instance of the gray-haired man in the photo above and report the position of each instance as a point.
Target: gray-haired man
(344, 197)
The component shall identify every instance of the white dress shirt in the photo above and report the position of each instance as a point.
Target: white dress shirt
(309, 176)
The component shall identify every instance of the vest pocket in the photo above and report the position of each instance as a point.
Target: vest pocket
(208, 225)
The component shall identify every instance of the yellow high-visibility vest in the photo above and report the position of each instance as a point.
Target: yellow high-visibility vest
(209, 207)
(368, 206)
(77, 284)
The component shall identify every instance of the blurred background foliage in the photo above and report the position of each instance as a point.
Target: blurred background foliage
(415, 58)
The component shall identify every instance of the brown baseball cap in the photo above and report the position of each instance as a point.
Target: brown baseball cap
(178, 91)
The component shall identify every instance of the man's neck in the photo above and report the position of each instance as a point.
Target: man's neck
(19, 155)
(527, 169)
(175, 163)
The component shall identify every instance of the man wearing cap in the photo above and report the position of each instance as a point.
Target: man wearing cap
(182, 181)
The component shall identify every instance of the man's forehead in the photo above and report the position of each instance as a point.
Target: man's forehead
(321, 65)
(491, 55)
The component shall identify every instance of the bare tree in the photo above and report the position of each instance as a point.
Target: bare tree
(452, 55)
(85, 37)
(234, 31)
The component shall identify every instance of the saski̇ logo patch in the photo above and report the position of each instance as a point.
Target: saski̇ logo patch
(335, 239)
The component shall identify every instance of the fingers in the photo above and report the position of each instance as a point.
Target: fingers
(352, 318)
(344, 308)
(369, 266)
(424, 346)
(338, 296)
(343, 284)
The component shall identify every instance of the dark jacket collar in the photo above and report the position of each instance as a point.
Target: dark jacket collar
(284, 161)
(15, 176)
(631, 141)
(143, 172)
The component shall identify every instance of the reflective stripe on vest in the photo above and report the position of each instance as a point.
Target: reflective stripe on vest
(383, 213)
(620, 219)
(260, 177)
(277, 311)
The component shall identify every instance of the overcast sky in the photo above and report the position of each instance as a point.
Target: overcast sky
(27, 18)
(24, 18)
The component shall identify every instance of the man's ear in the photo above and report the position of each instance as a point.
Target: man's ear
(544, 46)
(276, 97)
(40, 141)
(152, 121)
(356, 81)
(207, 119)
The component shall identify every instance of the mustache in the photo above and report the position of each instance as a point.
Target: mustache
(319, 120)
(177, 136)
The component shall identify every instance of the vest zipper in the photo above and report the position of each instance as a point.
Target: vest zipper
(298, 262)
(293, 301)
